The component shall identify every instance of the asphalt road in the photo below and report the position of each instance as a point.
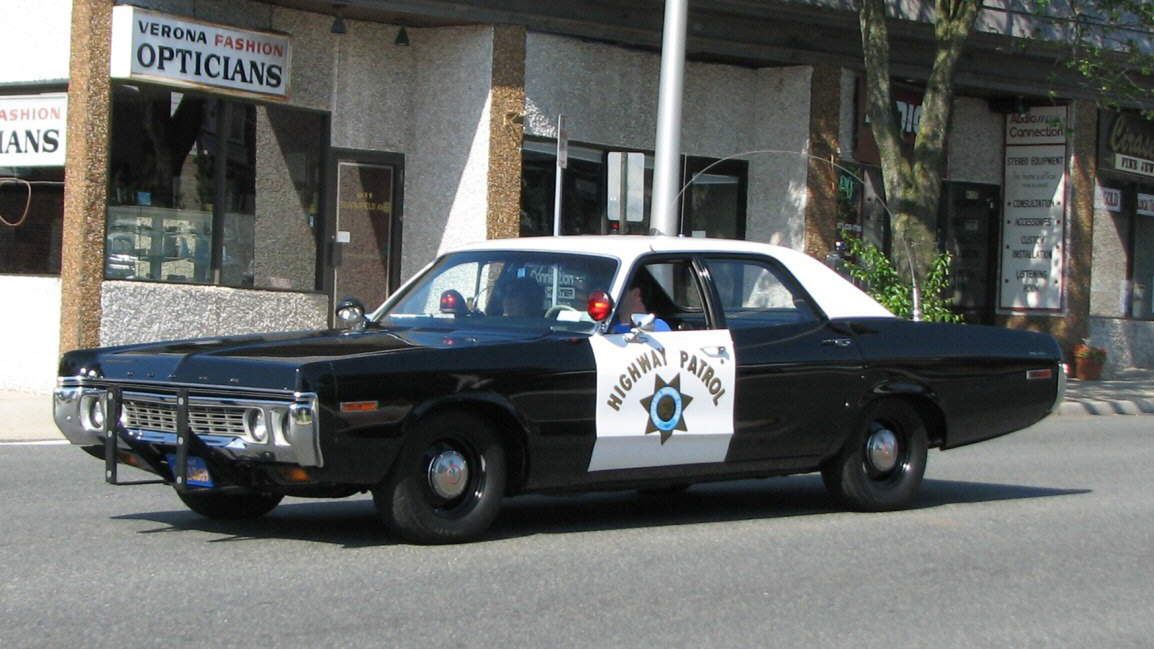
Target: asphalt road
(1044, 538)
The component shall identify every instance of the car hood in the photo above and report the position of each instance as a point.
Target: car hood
(282, 361)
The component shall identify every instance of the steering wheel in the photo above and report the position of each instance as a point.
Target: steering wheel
(556, 310)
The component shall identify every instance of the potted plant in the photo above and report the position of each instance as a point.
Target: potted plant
(1088, 361)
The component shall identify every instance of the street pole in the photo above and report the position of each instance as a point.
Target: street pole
(562, 164)
(667, 170)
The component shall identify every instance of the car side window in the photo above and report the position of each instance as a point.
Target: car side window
(757, 294)
(671, 292)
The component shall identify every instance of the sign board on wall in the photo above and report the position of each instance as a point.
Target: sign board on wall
(1126, 143)
(173, 50)
(32, 129)
(1145, 204)
(1034, 229)
(907, 106)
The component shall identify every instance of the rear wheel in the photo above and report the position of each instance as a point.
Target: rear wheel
(882, 464)
(448, 482)
(230, 506)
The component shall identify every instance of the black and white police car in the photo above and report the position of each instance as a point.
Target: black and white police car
(561, 364)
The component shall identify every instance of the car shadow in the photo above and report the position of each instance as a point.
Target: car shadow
(787, 497)
(352, 523)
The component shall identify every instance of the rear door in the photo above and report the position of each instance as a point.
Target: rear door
(798, 378)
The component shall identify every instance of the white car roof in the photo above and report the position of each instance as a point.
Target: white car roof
(836, 296)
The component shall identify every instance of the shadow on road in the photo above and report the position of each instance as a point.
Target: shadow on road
(353, 523)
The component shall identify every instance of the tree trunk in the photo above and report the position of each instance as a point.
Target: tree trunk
(913, 177)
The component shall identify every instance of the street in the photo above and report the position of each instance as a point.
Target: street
(1044, 538)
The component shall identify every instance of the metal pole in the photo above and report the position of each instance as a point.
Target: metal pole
(562, 164)
(666, 171)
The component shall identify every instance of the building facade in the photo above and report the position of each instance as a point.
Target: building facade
(180, 168)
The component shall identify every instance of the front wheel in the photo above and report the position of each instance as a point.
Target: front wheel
(230, 506)
(881, 465)
(448, 482)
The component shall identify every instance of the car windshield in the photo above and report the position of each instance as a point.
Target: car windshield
(504, 289)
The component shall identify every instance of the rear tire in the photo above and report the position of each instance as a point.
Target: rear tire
(880, 468)
(230, 506)
(447, 484)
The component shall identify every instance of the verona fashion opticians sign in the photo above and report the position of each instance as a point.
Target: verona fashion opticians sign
(173, 50)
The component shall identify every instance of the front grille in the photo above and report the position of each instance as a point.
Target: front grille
(157, 413)
(150, 416)
(216, 420)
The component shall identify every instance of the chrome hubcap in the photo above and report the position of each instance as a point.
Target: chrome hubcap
(448, 474)
(882, 449)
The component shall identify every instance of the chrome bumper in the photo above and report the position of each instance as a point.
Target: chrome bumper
(270, 430)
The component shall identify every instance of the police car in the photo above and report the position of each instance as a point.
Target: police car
(561, 364)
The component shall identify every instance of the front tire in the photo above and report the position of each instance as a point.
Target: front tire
(230, 506)
(448, 482)
(880, 468)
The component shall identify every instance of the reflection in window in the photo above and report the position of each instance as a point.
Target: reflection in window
(184, 204)
(33, 214)
(754, 294)
(713, 204)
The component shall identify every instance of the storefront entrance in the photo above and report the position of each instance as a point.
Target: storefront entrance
(366, 238)
(969, 231)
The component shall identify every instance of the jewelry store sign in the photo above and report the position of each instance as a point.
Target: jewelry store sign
(1033, 234)
(32, 129)
(172, 50)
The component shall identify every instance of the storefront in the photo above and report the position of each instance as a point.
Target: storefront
(32, 150)
(244, 167)
(1122, 305)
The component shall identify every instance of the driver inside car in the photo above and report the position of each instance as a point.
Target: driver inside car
(635, 301)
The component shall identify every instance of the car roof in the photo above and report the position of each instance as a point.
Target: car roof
(836, 296)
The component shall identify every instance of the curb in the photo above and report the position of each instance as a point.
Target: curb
(1120, 406)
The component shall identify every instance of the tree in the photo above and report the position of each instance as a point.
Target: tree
(1108, 47)
(913, 176)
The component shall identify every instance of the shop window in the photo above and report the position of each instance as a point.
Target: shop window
(712, 202)
(1142, 254)
(205, 190)
(31, 209)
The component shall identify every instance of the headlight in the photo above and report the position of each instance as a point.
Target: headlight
(92, 411)
(256, 425)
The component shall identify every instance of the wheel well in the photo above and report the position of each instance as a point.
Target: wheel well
(505, 425)
(931, 415)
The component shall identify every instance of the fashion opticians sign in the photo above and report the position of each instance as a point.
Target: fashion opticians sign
(32, 129)
(151, 46)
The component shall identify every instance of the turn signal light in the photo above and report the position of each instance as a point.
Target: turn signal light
(600, 305)
(295, 474)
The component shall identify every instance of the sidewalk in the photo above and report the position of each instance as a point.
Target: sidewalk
(1129, 392)
(27, 417)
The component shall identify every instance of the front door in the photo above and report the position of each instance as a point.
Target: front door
(970, 233)
(367, 233)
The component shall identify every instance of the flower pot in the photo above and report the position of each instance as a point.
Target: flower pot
(1087, 369)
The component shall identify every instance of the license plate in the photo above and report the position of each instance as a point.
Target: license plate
(197, 474)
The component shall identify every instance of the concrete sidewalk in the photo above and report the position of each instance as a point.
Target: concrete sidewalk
(27, 417)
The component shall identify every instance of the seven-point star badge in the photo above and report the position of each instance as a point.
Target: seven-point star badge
(666, 407)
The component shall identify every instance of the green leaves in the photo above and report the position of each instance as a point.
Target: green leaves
(876, 274)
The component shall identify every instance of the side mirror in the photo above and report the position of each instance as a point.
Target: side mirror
(351, 314)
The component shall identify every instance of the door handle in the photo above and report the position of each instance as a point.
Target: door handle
(715, 351)
(837, 342)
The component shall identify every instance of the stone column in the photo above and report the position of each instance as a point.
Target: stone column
(507, 110)
(86, 174)
(821, 183)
